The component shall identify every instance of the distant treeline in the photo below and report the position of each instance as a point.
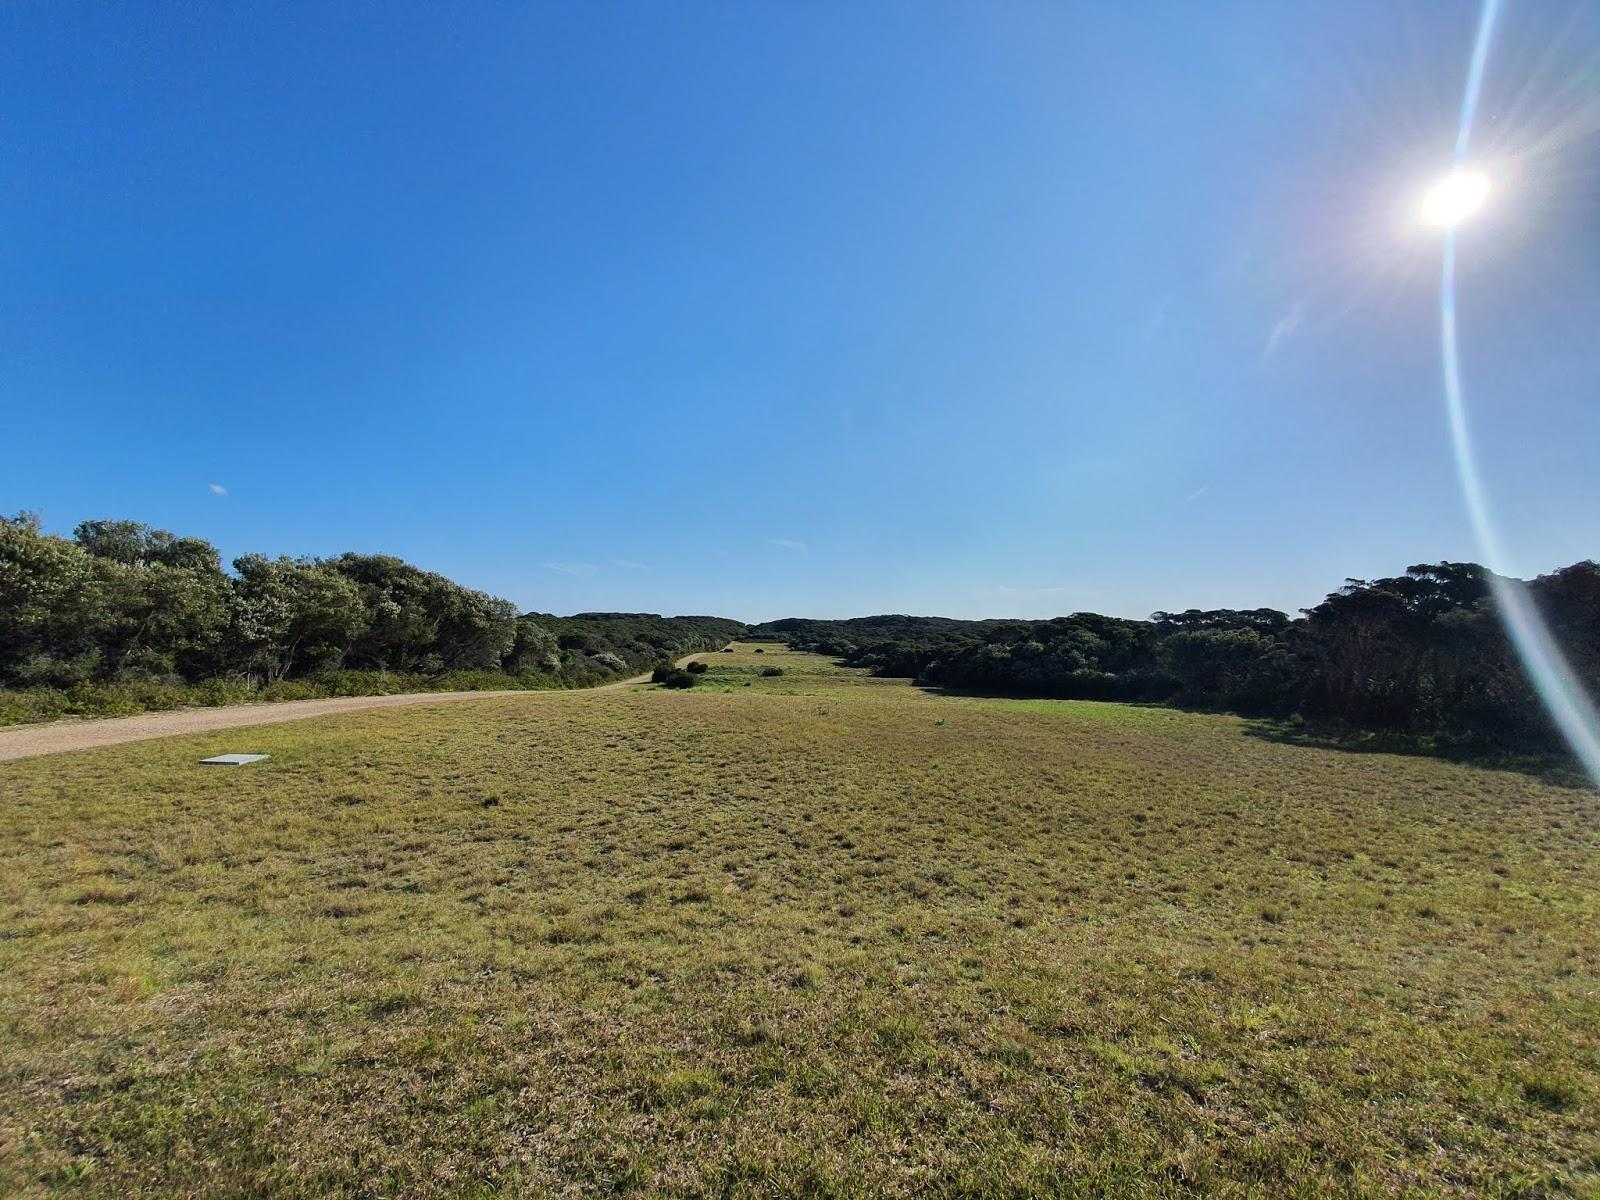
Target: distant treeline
(121, 603)
(639, 641)
(1424, 652)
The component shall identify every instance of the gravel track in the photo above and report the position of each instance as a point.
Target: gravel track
(60, 737)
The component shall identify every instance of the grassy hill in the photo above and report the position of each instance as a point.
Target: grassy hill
(815, 934)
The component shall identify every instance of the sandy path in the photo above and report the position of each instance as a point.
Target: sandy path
(58, 737)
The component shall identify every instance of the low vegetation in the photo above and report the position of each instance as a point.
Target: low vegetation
(1424, 653)
(145, 613)
(154, 695)
(807, 935)
(670, 675)
(122, 618)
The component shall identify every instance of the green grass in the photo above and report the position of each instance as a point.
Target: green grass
(822, 935)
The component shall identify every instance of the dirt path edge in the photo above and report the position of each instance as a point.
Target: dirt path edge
(62, 737)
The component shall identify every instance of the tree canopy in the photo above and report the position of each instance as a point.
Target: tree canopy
(120, 601)
(1421, 652)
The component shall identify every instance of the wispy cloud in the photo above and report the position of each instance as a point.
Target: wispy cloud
(787, 544)
(217, 489)
(1285, 328)
(1197, 493)
(627, 564)
(571, 568)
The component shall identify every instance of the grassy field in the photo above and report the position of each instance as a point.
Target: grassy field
(810, 935)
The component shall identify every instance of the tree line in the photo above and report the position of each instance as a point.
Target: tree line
(120, 602)
(1422, 653)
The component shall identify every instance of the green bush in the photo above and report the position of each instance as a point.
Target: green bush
(371, 683)
(131, 697)
(535, 681)
(771, 671)
(474, 681)
(50, 671)
(214, 693)
(153, 695)
(34, 704)
(697, 668)
(286, 689)
(662, 672)
(104, 700)
(680, 679)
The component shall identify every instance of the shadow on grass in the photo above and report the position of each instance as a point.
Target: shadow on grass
(1553, 769)
(939, 689)
(1547, 768)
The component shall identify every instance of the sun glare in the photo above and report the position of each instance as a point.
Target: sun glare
(1455, 198)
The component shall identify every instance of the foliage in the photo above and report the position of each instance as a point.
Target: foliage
(127, 698)
(421, 621)
(291, 612)
(1420, 653)
(121, 604)
(636, 640)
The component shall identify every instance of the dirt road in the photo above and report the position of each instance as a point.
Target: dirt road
(58, 737)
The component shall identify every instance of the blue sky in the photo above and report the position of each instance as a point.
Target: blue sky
(774, 309)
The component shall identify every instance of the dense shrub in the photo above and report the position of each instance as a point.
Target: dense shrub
(125, 699)
(680, 679)
(638, 640)
(370, 683)
(34, 704)
(129, 698)
(696, 668)
(286, 689)
(1420, 653)
(120, 605)
(771, 671)
(214, 693)
(478, 681)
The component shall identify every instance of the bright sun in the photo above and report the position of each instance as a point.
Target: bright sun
(1455, 198)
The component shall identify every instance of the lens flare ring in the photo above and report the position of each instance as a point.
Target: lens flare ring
(1557, 684)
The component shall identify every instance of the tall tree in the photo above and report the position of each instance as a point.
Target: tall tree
(292, 614)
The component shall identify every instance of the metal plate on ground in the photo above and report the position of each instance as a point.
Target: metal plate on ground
(233, 760)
